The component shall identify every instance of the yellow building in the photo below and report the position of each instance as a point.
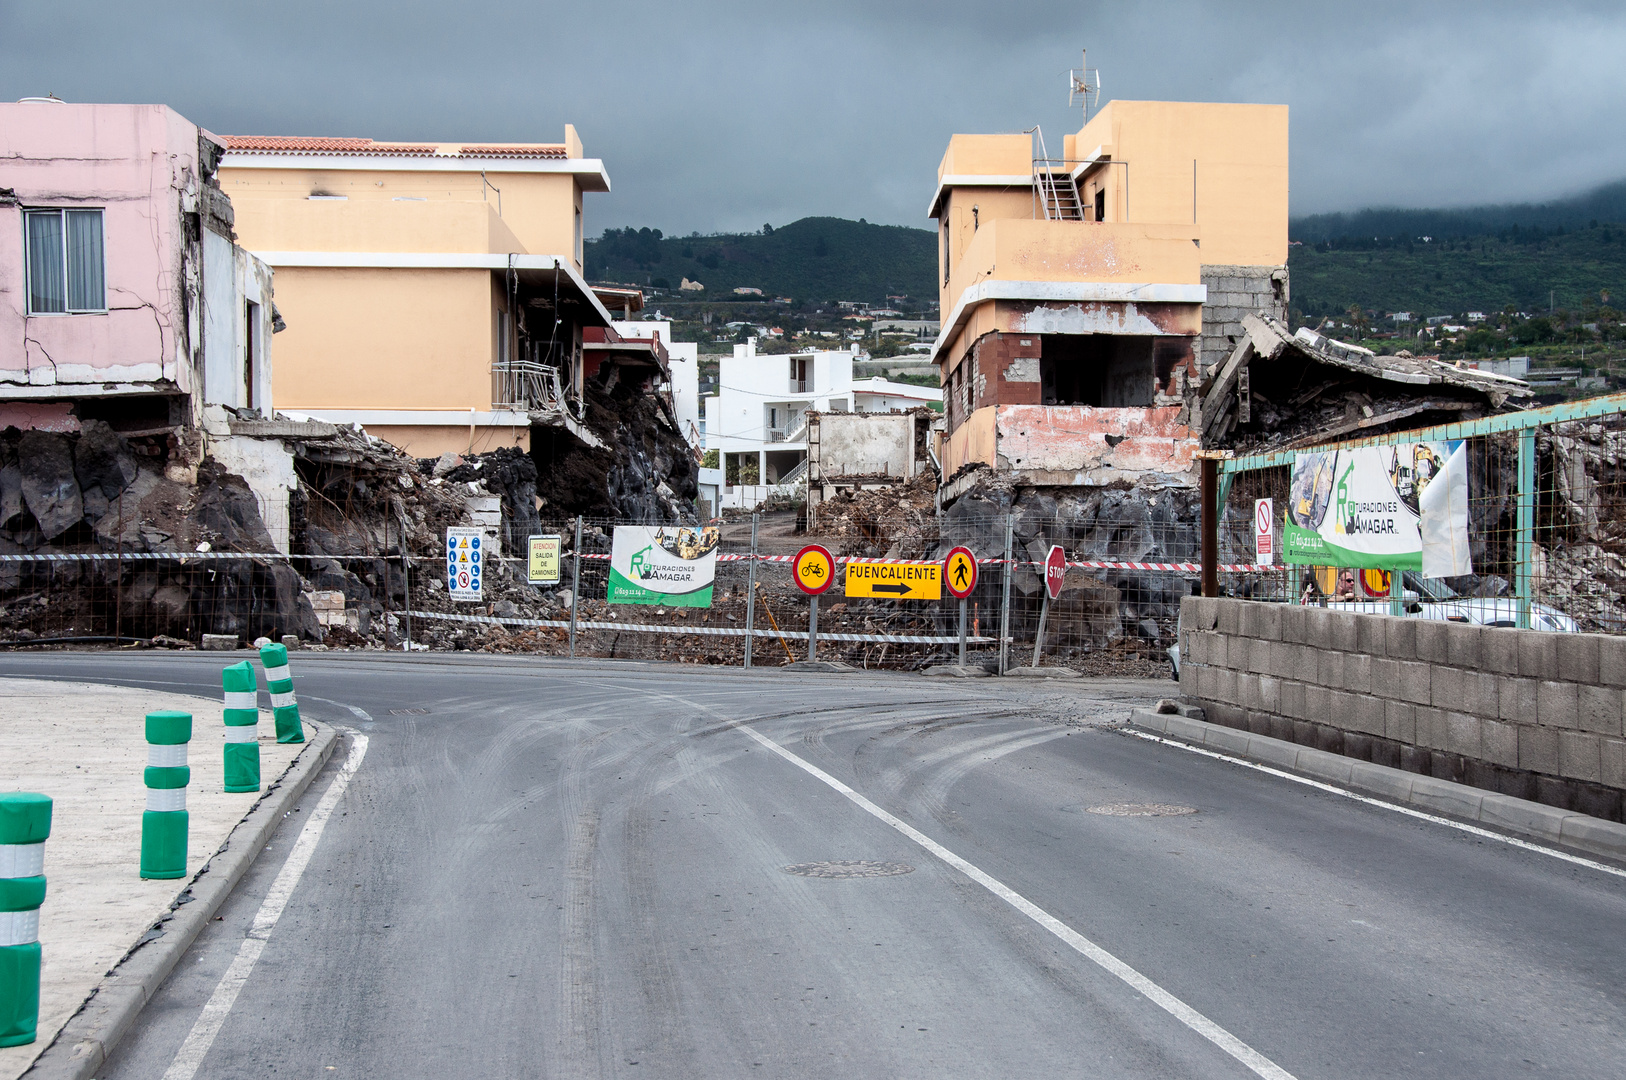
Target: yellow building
(1081, 293)
(433, 292)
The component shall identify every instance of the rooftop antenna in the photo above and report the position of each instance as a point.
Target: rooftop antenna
(1083, 85)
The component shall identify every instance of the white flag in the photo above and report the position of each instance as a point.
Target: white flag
(1444, 514)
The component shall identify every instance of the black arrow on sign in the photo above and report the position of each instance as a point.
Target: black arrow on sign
(901, 590)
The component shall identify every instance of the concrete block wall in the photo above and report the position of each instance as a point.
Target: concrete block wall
(1528, 713)
(1235, 291)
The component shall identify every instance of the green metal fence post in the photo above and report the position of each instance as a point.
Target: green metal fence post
(1525, 547)
(25, 824)
(165, 822)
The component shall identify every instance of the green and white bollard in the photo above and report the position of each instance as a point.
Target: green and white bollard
(242, 727)
(164, 824)
(25, 822)
(280, 681)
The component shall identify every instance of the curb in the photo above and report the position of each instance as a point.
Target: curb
(1532, 820)
(86, 1040)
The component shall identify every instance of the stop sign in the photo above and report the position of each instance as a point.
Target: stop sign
(1055, 571)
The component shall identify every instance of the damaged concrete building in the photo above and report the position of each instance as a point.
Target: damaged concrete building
(435, 297)
(1111, 312)
(132, 322)
(1084, 293)
(866, 451)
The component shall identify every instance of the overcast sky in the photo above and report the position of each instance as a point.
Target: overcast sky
(719, 116)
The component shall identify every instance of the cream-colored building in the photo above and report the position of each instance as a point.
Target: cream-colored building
(432, 292)
(1083, 293)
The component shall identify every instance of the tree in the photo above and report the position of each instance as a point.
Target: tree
(1358, 319)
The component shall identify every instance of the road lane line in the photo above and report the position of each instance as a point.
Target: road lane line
(1196, 1021)
(1421, 815)
(219, 1005)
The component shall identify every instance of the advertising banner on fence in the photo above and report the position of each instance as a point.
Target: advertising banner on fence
(1361, 507)
(665, 564)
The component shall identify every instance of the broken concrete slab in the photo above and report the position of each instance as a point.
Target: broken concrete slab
(956, 671)
(1041, 673)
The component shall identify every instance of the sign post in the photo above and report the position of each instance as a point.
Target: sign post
(960, 577)
(1055, 575)
(815, 571)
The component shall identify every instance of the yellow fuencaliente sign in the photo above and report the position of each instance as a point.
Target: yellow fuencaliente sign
(895, 581)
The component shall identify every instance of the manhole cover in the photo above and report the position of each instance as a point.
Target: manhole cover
(861, 868)
(1141, 809)
(409, 712)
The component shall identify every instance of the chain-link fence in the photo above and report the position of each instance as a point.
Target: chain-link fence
(1546, 520)
(1129, 560)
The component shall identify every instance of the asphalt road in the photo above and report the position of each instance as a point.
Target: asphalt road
(578, 870)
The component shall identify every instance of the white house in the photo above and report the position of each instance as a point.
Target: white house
(757, 421)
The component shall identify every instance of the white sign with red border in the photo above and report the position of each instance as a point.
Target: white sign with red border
(1264, 531)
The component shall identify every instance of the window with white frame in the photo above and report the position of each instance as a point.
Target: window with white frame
(66, 270)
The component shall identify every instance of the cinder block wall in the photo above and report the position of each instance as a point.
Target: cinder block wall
(1235, 291)
(1528, 713)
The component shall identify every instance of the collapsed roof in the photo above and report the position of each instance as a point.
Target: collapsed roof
(1283, 389)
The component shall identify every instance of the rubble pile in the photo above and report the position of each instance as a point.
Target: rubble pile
(642, 470)
(96, 491)
(898, 522)
(1281, 389)
(1580, 568)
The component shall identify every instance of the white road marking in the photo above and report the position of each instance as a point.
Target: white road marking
(1421, 815)
(218, 1007)
(1154, 993)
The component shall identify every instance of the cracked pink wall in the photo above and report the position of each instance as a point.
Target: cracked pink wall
(136, 162)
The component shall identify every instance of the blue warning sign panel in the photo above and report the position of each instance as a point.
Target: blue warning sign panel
(464, 561)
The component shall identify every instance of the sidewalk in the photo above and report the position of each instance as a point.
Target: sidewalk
(85, 746)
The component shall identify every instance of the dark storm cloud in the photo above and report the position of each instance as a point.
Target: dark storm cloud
(726, 115)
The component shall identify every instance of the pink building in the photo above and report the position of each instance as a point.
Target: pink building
(125, 301)
(123, 297)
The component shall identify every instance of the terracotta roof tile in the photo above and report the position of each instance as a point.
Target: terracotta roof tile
(285, 144)
(293, 144)
(537, 150)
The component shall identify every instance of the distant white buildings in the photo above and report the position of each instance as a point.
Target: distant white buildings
(757, 421)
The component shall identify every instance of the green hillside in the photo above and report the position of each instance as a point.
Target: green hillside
(814, 259)
(1566, 253)
(1523, 268)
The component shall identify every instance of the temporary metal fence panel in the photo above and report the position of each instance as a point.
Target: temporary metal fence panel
(1129, 563)
(1546, 519)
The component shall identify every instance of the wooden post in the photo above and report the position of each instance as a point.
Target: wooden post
(1210, 497)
